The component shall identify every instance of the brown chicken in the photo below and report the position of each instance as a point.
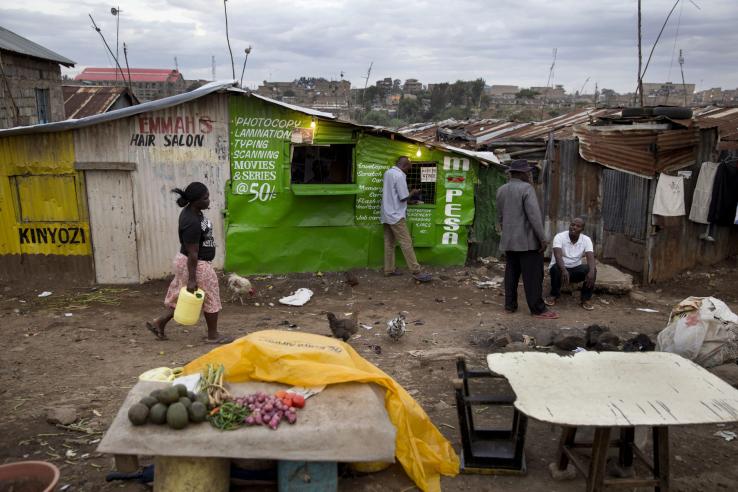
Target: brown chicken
(343, 328)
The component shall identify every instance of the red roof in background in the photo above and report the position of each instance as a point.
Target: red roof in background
(137, 74)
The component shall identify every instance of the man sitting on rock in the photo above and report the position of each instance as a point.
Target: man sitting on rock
(566, 263)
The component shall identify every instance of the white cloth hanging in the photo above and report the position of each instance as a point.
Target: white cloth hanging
(703, 193)
(669, 199)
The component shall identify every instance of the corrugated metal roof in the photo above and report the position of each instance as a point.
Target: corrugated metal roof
(82, 101)
(301, 109)
(163, 103)
(97, 74)
(726, 121)
(638, 151)
(11, 41)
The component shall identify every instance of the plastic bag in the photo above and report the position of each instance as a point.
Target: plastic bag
(702, 329)
(304, 359)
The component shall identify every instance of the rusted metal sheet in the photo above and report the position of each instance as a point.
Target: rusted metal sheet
(572, 188)
(81, 101)
(725, 120)
(172, 147)
(643, 152)
(624, 203)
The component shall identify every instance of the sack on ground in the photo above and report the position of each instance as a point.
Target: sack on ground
(701, 329)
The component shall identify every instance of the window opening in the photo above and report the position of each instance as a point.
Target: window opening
(422, 176)
(42, 105)
(322, 164)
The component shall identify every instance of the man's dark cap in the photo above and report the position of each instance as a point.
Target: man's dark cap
(520, 166)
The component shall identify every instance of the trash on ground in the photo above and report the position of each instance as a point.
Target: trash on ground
(45, 293)
(727, 435)
(298, 298)
(647, 310)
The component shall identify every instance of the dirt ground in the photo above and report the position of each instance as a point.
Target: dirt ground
(85, 347)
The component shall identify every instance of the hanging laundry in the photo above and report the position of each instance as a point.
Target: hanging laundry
(703, 193)
(724, 195)
(669, 199)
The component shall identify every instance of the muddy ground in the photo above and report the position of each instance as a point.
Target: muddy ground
(91, 358)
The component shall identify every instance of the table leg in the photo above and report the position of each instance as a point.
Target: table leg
(661, 457)
(600, 445)
(126, 463)
(625, 457)
(568, 434)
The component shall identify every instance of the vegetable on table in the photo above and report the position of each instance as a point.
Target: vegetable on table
(229, 416)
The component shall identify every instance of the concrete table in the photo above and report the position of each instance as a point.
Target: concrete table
(344, 423)
(615, 390)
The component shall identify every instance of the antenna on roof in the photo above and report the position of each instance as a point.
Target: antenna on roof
(366, 82)
(212, 62)
(681, 67)
(125, 55)
(176, 65)
(228, 40)
(116, 12)
(99, 31)
(247, 51)
(548, 82)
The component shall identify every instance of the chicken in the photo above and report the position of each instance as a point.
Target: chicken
(396, 327)
(351, 279)
(639, 343)
(343, 328)
(239, 286)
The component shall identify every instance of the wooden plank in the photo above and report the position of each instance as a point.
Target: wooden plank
(661, 457)
(596, 475)
(569, 391)
(113, 226)
(105, 166)
(568, 434)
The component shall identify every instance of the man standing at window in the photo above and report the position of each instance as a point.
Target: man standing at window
(523, 240)
(394, 207)
(566, 263)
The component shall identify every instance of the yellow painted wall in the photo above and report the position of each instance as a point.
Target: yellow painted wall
(42, 198)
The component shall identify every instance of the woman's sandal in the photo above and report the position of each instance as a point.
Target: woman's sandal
(221, 340)
(158, 332)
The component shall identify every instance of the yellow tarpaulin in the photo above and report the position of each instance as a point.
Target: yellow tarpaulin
(303, 359)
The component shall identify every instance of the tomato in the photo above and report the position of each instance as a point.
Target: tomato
(298, 401)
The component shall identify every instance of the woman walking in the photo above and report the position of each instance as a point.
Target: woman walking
(192, 268)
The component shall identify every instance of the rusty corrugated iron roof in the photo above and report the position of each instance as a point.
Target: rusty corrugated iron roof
(639, 151)
(81, 101)
(726, 121)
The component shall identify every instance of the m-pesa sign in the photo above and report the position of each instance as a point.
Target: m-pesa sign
(455, 169)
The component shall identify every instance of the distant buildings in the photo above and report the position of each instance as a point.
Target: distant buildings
(317, 93)
(667, 93)
(147, 83)
(30, 82)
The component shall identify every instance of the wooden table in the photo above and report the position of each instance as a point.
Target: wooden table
(344, 423)
(615, 391)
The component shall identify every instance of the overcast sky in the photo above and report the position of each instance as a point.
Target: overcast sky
(504, 42)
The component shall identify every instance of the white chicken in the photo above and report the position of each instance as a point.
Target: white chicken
(396, 327)
(239, 286)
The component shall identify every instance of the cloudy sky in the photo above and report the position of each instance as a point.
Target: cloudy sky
(502, 41)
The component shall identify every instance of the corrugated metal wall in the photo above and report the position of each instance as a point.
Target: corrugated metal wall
(161, 167)
(572, 188)
(624, 198)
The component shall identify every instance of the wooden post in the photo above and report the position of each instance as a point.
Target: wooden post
(625, 457)
(568, 434)
(600, 445)
(661, 457)
(640, 56)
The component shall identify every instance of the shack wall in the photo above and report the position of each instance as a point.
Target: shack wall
(44, 230)
(169, 148)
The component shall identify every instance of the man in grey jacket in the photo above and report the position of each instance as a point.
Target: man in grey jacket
(523, 240)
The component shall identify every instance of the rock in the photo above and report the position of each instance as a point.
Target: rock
(637, 296)
(61, 415)
(727, 372)
(481, 271)
(501, 341)
(441, 406)
(612, 280)
(517, 347)
(440, 354)
(559, 475)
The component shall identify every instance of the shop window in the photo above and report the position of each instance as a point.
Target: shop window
(43, 105)
(422, 176)
(322, 164)
(46, 198)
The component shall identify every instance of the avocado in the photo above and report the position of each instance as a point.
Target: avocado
(169, 395)
(158, 413)
(185, 401)
(155, 394)
(203, 398)
(182, 389)
(177, 416)
(137, 414)
(197, 412)
(149, 401)
(192, 396)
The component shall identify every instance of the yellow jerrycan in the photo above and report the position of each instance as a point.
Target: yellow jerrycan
(188, 307)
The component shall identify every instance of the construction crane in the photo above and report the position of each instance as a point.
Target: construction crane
(581, 91)
(548, 82)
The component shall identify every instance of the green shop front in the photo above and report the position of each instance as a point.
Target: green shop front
(305, 192)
